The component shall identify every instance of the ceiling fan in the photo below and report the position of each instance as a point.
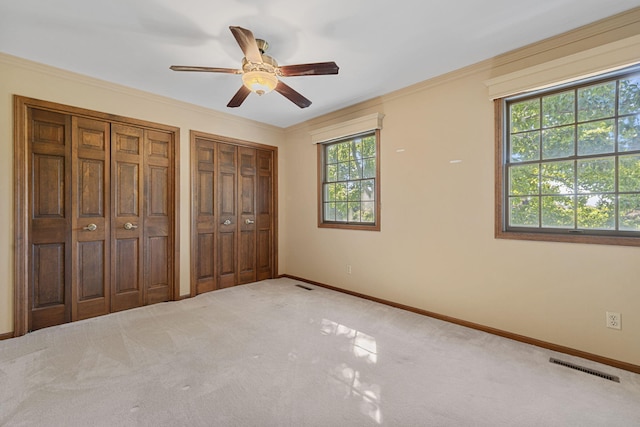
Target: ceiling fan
(260, 72)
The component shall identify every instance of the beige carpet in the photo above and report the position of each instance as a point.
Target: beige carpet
(274, 354)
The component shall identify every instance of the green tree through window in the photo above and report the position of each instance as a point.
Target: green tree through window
(349, 182)
(572, 159)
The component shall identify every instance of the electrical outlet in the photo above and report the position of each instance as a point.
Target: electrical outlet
(613, 320)
(348, 268)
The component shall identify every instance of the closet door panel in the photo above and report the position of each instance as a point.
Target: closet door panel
(48, 291)
(247, 219)
(127, 279)
(91, 269)
(205, 265)
(227, 215)
(49, 268)
(227, 265)
(127, 196)
(158, 285)
(91, 228)
(204, 215)
(265, 215)
(157, 275)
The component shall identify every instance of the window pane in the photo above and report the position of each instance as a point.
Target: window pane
(524, 180)
(629, 212)
(558, 212)
(597, 102)
(329, 211)
(368, 190)
(596, 175)
(629, 133)
(355, 169)
(329, 192)
(341, 211)
(525, 115)
(356, 149)
(629, 173)
(343, 171)
(558, 142)
(525, 146)
(524, 212)
(597, 212)
(369, 168)
(629, 95)
(332, 153)
(558, 109)
(557, 178)
(354, 211)
(369, 146)
(343, 152)
(368, 213)
(341, 192)
(354, 191)
(596, 137)
(332, 173)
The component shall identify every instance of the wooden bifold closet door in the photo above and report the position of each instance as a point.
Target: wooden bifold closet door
(99, 216)
(233, 212)
(90, 212)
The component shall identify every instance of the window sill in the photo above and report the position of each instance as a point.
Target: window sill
(564, 238)
(373, 227)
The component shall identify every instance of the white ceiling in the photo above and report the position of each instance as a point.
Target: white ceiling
(379, 45)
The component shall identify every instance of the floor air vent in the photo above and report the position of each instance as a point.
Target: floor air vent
(583, 369)
(304, 287)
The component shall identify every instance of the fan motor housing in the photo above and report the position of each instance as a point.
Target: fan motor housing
(268, 65)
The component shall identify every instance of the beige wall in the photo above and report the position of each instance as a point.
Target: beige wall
(37, 81)
(436, 250)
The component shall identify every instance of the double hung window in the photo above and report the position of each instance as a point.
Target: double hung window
(349, 182)
(571, 161)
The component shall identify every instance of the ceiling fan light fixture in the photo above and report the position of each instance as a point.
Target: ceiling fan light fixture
(259, 82)
(260, 72)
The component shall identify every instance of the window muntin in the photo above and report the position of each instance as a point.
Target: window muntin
(349, 193)
(572, 159)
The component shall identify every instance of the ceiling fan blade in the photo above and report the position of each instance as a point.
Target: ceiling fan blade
(247, 43)
(239, 97)
(292, 95)
(315, 69)
(205, 69)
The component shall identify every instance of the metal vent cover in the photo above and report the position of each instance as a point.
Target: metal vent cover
(585, 369)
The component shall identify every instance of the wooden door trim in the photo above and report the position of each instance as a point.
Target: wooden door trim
(21, 105)
(193, 135)
(20, 218)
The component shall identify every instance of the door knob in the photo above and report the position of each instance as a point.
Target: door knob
(129, 226)
(90, 227)
(249, 221)
(226, 222)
